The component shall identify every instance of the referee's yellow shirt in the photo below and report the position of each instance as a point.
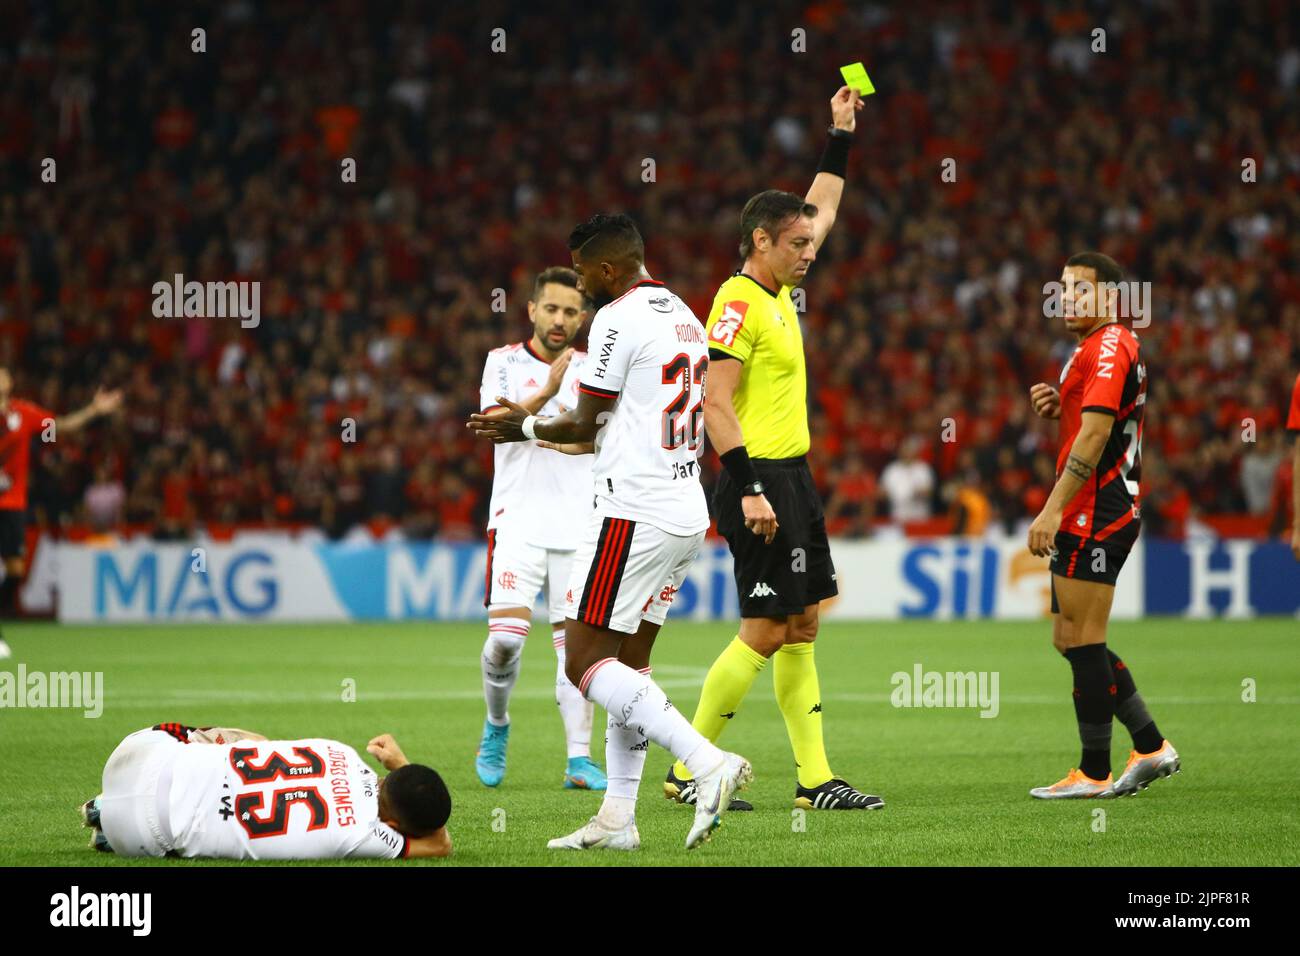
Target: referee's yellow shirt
(753, 323)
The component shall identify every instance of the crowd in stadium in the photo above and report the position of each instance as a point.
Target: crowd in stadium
(924, 321)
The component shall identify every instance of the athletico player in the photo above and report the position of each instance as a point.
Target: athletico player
(642, 390)
(538, 509)
(1089, 525)
(174, 790)
(765, 500)
(20, 422)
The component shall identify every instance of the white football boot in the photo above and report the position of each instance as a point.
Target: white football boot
(714, 791)
(594, 835)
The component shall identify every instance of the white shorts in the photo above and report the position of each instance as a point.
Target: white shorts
(626, 571)
(136, 787)
(517, 572)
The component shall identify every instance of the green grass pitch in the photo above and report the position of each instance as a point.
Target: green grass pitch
(955, 784)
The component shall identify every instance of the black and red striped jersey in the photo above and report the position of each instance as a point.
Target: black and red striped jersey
(1105, 374)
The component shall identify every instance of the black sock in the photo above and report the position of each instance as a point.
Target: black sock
(1094, 706)
(8, 591)
(1132, 710)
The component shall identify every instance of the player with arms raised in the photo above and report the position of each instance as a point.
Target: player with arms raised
(642, 390)
(174, 790)
(538, 509)
(20, 422)
(1089, 525)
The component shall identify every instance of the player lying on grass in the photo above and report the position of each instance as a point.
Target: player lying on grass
(224, 793)
(1090, 523)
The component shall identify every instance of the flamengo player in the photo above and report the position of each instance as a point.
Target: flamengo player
(1090, 523)
(173, 790)
(20, 422)
(642, 389)
(539, 507)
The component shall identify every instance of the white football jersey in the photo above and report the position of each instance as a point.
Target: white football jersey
(277, 800)
(648, 349)
(540, 495)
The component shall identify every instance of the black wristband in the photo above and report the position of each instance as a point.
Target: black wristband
(739, 467)
(835, 158)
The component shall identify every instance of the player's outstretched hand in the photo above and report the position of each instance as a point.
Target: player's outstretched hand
(1042, 533)
(844, 104)
(384, 749)
(502, 424)
(1045, 400)
(759, 516)
(106, 402)
(569, 448)
(1295, 535)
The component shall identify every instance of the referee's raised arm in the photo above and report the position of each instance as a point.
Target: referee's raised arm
(828, 185)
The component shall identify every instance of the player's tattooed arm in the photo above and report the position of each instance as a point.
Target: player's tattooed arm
(1078, 467)
(1094, 429)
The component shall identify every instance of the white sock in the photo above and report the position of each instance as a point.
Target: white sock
(575, 710)
(625, 753)
(634, 699)
(501, 653)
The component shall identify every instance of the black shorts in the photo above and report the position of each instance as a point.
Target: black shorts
(13, 533)
(1086, 559)
(795, 570)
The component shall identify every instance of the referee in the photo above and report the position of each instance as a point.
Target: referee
(766, 505)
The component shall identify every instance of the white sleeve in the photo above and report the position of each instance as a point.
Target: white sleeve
(496, 381)
(379, 842)
(611, 347)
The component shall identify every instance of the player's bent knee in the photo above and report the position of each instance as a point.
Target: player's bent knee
(503, 649)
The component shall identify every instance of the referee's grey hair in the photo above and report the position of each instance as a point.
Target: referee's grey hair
(771, 211)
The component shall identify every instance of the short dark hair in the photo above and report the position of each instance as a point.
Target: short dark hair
(560, 275)
(771, 211)
(418, 798)
(608, 238)
(1106, 268)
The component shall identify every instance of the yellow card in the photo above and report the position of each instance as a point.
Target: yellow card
(855, 75)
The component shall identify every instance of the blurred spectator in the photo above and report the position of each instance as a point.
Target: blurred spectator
(377, 296)
(1259, 466)
(908, 483)
(104, 500)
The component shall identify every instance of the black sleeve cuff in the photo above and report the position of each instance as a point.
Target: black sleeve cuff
(739, 468)
(835, 158)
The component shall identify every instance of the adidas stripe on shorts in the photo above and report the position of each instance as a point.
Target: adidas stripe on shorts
(627, 571)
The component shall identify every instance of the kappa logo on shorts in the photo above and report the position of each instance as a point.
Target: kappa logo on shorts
(1081, 521)
(507, 580)
(762, 589)
(568, 596)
